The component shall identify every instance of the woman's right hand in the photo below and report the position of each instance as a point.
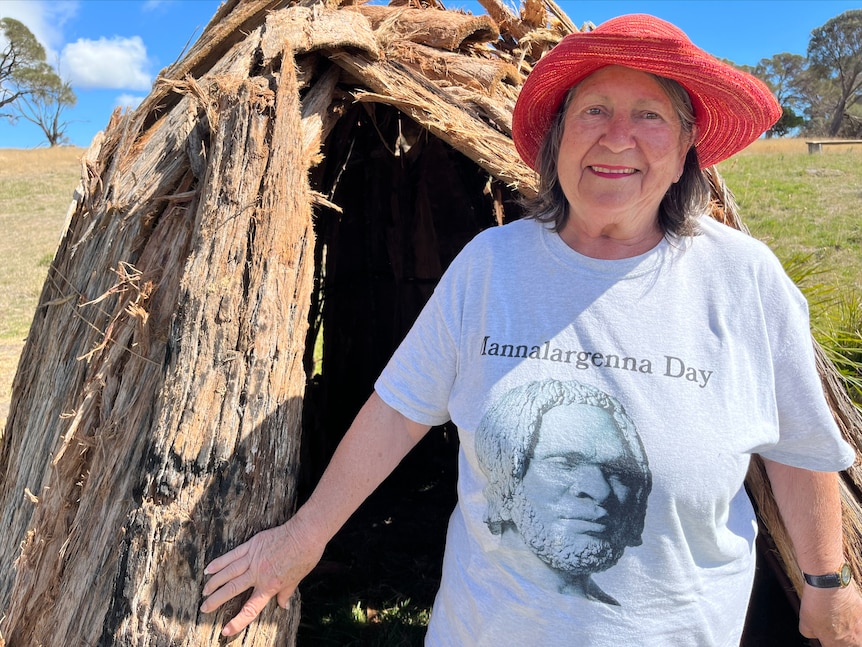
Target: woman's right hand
(272, 563)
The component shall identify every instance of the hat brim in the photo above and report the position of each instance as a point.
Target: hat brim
(732, 108)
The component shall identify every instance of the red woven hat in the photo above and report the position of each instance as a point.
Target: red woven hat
(732, 108)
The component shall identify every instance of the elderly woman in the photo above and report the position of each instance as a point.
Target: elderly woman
(611, 362)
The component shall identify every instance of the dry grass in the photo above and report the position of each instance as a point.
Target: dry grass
(35, 190)
(772, 146)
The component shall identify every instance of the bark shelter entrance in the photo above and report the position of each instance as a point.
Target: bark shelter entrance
(306, 172)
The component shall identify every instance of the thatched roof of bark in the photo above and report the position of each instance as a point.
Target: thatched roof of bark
(170, 334)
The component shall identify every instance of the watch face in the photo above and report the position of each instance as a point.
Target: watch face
(846, 575)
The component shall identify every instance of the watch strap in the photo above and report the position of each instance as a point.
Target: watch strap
(830, 580)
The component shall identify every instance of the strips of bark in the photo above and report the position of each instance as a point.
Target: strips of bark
(533, 13)
(144, 556)
(497, 110)
(303, 30)
(507, 21)
(431, 108)
(478, 73)
(445, 30)
(319, 115)
(230, 25)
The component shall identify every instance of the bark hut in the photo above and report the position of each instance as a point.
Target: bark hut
(308, 169)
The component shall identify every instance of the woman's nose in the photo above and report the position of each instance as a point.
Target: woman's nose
(619, 134)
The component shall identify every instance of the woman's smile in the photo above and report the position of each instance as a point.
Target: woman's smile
(613, 172)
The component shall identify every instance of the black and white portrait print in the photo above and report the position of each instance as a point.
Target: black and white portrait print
(568, 477)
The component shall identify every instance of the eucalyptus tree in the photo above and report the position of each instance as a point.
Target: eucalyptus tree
(835, 53)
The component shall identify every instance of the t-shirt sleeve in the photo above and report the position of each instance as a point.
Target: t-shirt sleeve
(417, 381)
(808, 435)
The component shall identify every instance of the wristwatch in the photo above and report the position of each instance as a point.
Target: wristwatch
(830, 580)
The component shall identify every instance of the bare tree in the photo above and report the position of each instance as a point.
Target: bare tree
(44, 105)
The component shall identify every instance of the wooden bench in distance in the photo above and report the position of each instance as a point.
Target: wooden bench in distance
(817, 146)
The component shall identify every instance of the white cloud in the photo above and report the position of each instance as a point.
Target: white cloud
(117, 63)
(128, 101)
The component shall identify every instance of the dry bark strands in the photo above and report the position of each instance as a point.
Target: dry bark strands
(233, 20)
(236, 277)
(306, 30)
(444, 30)
(482, 74)
(429, 107)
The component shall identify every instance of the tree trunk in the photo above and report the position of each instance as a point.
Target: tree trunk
(837, 117)
(185, 275)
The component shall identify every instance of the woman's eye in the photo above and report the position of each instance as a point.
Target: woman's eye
(652, 116)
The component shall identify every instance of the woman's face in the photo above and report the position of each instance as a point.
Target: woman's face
(622, 147)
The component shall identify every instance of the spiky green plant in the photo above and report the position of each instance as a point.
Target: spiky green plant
(836, 319)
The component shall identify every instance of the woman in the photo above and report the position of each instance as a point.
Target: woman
(612, 363)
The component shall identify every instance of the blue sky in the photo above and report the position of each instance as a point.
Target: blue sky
(111, 50)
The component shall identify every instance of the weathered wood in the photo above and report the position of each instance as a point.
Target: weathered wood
(533, 14)
(507, 21)
(305, 30)
(320, 112)
(430, 108)
(445, 30)
(187, 413)
(68, 323)
(474, 72)
(816, 146)
(497, 111)
(233, 20)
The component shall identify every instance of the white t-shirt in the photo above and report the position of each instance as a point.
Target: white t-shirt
(607, 412)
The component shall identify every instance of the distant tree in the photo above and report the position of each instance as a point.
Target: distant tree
(782, 73)
(29, 86)
(44, 105)
(789, 121)
(20, 58)
(819, 97)
(835, 52)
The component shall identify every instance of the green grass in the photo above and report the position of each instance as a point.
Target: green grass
(804, 205)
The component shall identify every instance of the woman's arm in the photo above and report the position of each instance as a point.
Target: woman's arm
(274, 561)
(810, 507)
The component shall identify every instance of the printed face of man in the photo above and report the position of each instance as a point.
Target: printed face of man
(571, 504)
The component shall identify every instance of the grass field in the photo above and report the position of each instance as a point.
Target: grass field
(803, 204)
(36, 188)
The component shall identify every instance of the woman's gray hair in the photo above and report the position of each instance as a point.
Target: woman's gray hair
(684, 201)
